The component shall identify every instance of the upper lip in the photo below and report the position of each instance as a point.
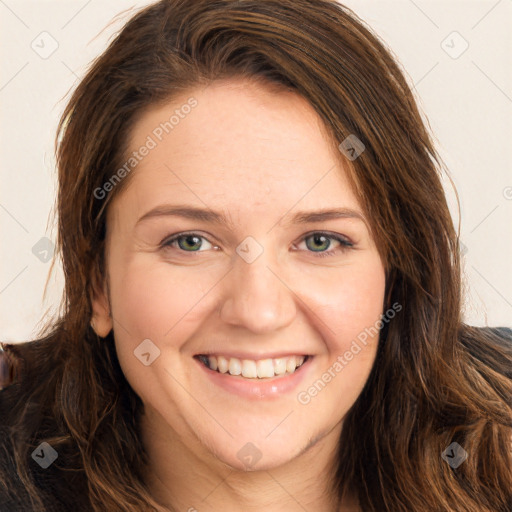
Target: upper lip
(256, 357)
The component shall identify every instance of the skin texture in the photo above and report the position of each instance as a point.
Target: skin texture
(258, 157)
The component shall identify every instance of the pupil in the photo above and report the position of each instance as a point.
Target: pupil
(188, 238)
(317, 239)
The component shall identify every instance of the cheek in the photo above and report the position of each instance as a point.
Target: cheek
(350, 312)
(351, 302)
(157, 302)
(152, 300)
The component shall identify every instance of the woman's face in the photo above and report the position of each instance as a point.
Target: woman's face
(255, 285)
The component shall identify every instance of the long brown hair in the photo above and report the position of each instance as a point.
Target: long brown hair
(435, 380)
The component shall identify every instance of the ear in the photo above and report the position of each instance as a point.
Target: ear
(101, 320)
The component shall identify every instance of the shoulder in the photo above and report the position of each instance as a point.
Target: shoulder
(30, 467)
(13, 495)
(491, 346)
(504, 334)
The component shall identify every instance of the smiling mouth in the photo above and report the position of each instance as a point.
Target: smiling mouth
(252, 369)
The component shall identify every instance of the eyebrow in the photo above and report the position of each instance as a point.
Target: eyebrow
(213, 217)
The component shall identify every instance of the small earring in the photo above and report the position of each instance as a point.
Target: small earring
(92, 325)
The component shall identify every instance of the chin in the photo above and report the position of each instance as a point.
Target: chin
(248, 451)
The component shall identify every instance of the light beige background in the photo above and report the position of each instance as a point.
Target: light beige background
(46, 47)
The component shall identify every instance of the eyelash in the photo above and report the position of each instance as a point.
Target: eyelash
(345, 245)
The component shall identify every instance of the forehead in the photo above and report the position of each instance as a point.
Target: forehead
(237, 143)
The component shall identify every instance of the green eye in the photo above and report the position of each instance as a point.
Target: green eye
(319, 240)
(317, 243)
(186, 241)
(322, 241)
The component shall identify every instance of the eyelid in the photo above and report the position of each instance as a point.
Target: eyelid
(170, 238)
(328, 234)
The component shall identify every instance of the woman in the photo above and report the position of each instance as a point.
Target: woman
(311, 355)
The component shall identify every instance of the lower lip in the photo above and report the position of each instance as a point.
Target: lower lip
(257, 388)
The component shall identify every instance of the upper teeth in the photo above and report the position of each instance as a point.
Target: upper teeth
(253, 369)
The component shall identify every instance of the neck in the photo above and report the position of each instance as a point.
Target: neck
(184, 476)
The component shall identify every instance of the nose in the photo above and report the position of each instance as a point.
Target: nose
(257, 297)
